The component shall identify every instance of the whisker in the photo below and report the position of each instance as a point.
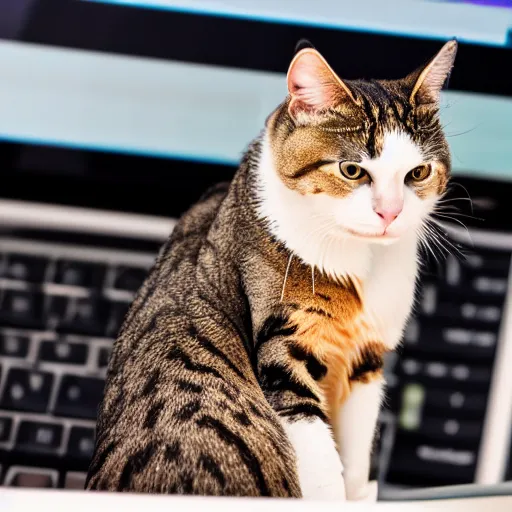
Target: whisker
(448, 200)
(426, 246)
(454, 183)
(433, 237)
(441, 235)
(286, 276)
(441, 239)
(445, 211)
(464, 132)
(444, 206)
(327, 249)
(453, 219)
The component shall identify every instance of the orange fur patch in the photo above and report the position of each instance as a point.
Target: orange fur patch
(332, 327)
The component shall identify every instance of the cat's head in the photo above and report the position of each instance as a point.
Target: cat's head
(363, 159)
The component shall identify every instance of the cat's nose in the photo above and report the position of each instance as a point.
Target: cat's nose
(388, 215)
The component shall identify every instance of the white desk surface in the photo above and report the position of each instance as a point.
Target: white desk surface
(78, 501)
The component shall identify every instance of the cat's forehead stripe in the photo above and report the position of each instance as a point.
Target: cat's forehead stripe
(399, 153)
(382, 108)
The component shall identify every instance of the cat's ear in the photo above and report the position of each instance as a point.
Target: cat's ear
(430, 81)
(302, 44)
(312, 84)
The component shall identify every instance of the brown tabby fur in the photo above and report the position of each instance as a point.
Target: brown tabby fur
(210, 356)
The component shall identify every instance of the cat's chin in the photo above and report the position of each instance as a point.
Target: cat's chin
(377, 238)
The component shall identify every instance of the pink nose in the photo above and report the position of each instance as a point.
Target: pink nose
(388, 215)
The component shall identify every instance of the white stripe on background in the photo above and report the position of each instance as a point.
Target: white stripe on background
(416, 18)
(95, 100)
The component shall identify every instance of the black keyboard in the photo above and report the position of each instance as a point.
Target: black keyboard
(61, 306)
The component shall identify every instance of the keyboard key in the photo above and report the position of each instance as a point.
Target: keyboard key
(469, 310)
(417, 462)
(490, 285)
(79, 273)
(483, 259)
(79, 397)
(461, 303)
(63, 352)
(5, 428)
(25, 268)
(27, 390)
(452, 431)
(453, 270)
(129, 278)
(445, 375)
(22, 308)
(479, 262)
(456, 404)
(75, 481)
(470, 337)
(14, 345)
(57, 309)
(81, 443)
(103, 357)
(32, 479)
(457, 342)
(117, 316)
(85, 315)
(37, 437)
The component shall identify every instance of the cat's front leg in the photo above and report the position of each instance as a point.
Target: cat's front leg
(318, 464)
(289, 377)
(355, 427)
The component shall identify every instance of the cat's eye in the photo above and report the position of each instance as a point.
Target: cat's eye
(419, 173)
(352, 171)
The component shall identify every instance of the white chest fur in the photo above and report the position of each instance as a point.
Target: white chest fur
(389, 287)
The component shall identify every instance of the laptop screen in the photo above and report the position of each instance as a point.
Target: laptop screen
(169, 92)
(442, 19)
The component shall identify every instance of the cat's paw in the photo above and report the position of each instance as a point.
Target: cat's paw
(315, 487)
(356, 491)
(319, 466)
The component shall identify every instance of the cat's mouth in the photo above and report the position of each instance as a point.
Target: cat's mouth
(382, 236)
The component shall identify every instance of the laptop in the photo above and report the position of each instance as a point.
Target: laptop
(116, 116)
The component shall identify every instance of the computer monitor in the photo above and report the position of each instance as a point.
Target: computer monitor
(108, 93)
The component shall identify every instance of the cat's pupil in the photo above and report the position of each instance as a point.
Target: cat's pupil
(351, 170)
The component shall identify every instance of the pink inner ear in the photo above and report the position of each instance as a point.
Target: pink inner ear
(311, 83)
(317, 98)
(436, 76)
(432, 78)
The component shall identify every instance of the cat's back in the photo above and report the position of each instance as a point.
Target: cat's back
(171, 277)
(182, 410)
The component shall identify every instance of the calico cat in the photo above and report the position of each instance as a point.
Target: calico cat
(250, 362)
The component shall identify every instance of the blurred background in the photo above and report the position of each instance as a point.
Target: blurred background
(116, 116)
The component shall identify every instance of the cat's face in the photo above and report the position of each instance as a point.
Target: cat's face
(360, 159)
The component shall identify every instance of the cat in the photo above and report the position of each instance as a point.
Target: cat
(251, 360)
